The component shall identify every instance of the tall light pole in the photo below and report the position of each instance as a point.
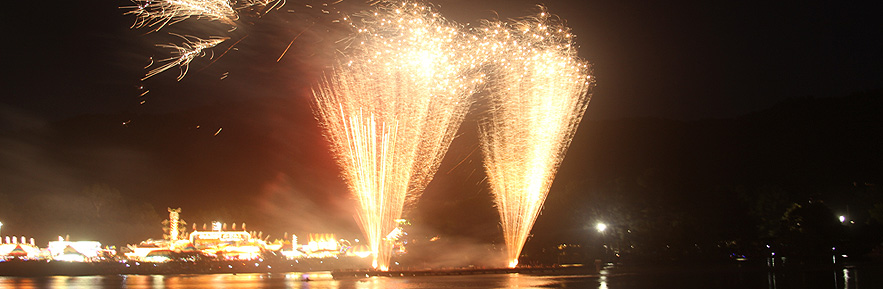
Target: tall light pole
(601, 227)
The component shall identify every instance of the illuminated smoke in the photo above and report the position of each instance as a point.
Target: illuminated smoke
(538, 94)
(390, 109)
(399, 91)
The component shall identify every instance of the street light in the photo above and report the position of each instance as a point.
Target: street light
(601, 227)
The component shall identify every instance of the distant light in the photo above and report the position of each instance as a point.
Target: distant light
(601, 227)
(842, 219)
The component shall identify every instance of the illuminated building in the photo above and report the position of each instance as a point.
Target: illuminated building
(218, 242)
(78, 251)
(322, 246)
(174, 220)
(227, 244)
(141, 251)
(12, 248)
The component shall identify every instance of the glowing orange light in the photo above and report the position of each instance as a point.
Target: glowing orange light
(390, 110)
(539, 95)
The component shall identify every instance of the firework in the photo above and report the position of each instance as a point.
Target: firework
(276, 4)
(538, 91)
(390, 109)
(183, 54)
(159, 13)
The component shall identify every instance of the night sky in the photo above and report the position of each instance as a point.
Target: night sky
(236, 140)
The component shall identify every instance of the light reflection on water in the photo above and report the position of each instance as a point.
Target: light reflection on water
(313, 280)
(318, 280)
(847, 278)
(602, 282)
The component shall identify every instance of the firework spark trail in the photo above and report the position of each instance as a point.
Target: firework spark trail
(159, 13)
(390, 110)
(182, 55)
(277, 4)
(538, 95)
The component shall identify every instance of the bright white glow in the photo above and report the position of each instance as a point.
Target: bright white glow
(174, 218)
(292, 254)
(842, 219)
(70, 258)
(391, 106)
(30, 250)
(601, 227)
(390, 110)
(202, 239)
(538, 92)
(88, 249)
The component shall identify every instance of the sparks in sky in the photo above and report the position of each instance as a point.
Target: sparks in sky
(390, 109)
(538, 93)
(159, 13)
(400, 90)
(183, 54)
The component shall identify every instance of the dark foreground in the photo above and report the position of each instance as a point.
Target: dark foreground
(549, 271)
(613, 278)
(319, 274)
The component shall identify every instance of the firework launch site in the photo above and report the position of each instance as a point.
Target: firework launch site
(220, 248)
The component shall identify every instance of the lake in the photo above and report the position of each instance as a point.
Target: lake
(847, 277)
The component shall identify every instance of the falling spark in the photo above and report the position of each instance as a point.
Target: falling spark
(219, 131)
(539, 93)
(292, 42)
(150, 64)
(232, 47)
(159, 13)
(262, 3)
(390, 109)
(182, 55)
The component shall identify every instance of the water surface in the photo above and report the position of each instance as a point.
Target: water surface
(607, 279)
